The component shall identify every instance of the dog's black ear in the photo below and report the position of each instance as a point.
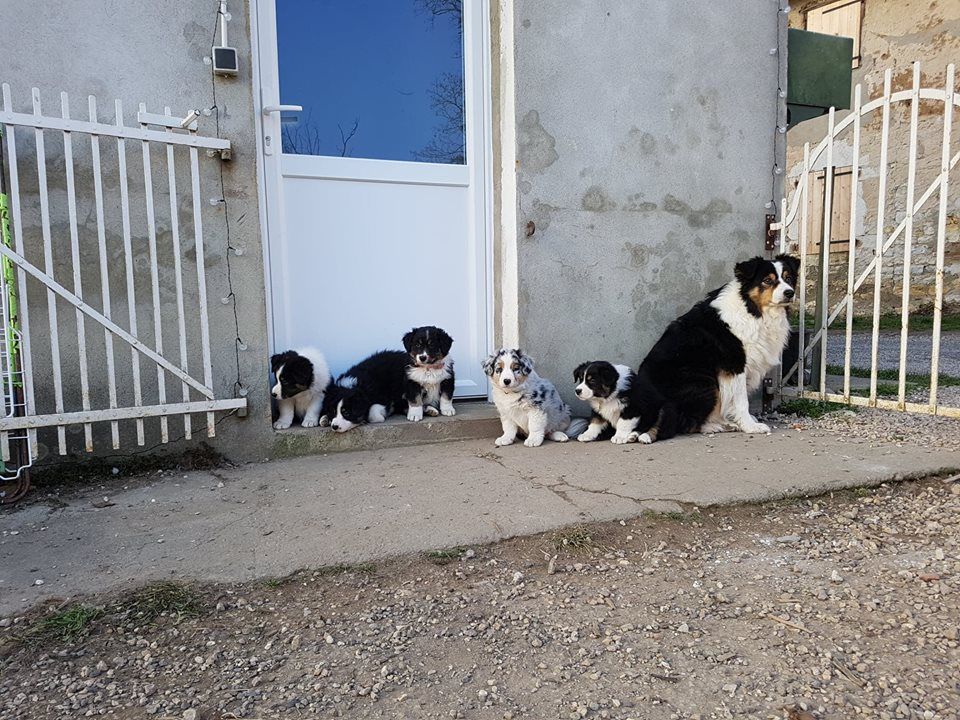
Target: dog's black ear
(790, 262)
(526, 362)
(408, 339)
(279, 359)
(579, 371)
(489, 363)
(747, 270)
(609, 375)
(446, 342)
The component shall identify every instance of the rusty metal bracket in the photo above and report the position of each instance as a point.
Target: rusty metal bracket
(769, 234)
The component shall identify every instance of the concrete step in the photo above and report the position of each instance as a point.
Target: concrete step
(474, 419)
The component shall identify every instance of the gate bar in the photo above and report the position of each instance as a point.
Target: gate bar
(48, 268)
(881, 210)
(154, 279)
(941, 238)
(824, 299)
(75, 258)
(202, 283)
(908, 238)
(104, 268)
(26, 357)
(852, 241)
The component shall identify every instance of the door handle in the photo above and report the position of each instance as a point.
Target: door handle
(268, 109)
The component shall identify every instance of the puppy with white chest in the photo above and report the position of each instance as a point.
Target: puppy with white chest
(526, 402)
(302, 378)
(625, 401)
(430, 379)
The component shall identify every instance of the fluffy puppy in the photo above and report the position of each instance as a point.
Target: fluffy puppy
(430, 379)
(370, 391)
(527, 403)
(302, 378)
(624, 400)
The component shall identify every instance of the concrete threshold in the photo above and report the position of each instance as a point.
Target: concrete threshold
(269, 519)
(475, 419)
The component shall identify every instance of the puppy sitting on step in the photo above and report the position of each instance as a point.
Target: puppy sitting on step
(430, 380)
(526, 402)
(302, 378)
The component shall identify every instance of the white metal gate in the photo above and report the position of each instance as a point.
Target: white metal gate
(118, 252)
(793, 236)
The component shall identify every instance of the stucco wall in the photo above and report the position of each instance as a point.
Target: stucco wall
(895, 34)
(152, 52)
(645, 140)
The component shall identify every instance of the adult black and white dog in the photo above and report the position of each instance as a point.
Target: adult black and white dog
(526, 402)
(430, 379)
(370, 391)
(625, 401)
(709, 359)
(302, 379)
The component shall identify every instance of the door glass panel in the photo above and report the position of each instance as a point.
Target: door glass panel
(377, 79)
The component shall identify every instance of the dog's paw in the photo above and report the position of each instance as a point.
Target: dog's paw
(622, 439)
(709, 428)
(645, 438)
(559, 436)
(310, 422)
(584, 437)
(447, 410)
(503, 440)
(282, 424)
(324, 421)
(534, 441)
(756, 428)
(431, 410)
(415, 414)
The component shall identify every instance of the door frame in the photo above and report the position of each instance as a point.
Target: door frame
(271, 211)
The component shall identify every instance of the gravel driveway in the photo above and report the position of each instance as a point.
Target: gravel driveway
(836, 607)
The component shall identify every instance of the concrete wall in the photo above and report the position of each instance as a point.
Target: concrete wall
(152, 52)
(894, 35)
(645, 141)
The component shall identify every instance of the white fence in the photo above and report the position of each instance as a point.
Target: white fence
(103, 291)
(796, 214)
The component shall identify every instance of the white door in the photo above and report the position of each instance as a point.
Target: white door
(376, 191)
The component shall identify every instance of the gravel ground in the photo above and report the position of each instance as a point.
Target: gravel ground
(836, 607)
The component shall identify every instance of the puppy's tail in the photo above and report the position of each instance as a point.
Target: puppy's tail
(577, 426)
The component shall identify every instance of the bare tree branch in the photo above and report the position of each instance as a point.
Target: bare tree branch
(344, 139)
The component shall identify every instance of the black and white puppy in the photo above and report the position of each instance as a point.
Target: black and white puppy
(370, 391)
(526, 402)
(709, 359)
(625, 401)
(302, 378)
(430, 378)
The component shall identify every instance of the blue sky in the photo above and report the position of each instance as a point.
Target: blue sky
(370, 61)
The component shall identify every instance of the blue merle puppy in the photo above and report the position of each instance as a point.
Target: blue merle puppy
(526, 402)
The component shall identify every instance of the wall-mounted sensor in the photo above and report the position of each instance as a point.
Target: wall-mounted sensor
(225, 61)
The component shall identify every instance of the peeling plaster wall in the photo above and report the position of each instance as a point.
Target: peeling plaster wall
(895, 34)
(143, 51)
(645, 141)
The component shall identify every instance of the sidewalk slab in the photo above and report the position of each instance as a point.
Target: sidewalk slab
(269, 519)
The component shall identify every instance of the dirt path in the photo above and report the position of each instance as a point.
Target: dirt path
(846, 606)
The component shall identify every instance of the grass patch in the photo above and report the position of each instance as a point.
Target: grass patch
(341, 568)
(921, 319)
(883, 390)
(575, 538)
(810, 408)
(445, 556)
(66, 625)
(922, 379)
(163, 598)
